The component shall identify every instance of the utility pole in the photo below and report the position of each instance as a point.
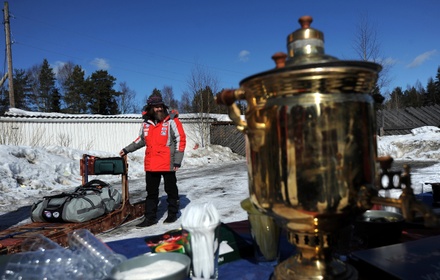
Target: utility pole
(9, 55)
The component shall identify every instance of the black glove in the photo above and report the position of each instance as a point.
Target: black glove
(124, 151)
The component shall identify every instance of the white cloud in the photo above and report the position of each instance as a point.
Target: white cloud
(57, 66)
(244, 55)
(100, 63)
(421, 58)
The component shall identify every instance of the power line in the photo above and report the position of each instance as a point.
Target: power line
(82, 51)
(125, 47)
(117, 67)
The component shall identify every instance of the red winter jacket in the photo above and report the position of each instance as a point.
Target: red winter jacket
(164, 144)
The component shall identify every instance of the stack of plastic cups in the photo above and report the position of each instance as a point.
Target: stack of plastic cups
(15, 270)
(41, 258)
(85, 245)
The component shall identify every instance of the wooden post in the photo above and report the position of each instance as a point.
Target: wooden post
(9, 55)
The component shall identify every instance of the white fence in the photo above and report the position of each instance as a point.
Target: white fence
(83, 132)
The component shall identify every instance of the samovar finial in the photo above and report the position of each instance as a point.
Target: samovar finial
(305, 21)
(306, 44)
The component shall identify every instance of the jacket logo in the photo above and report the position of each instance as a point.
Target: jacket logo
(164, 131)
(146, 129)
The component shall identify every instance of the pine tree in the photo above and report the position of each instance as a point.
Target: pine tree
(396, 99)
(47, 91)
(412, 98)
(55, 101)
(74, 90)
(204, 101)
(430, 97)
(100, 95)
(437, 87)
(4, 99)
(21, 89)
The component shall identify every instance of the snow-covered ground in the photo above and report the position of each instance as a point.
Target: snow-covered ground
(423, 144)
(212, 174)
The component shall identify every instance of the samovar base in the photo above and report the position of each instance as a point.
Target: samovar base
(314, 270)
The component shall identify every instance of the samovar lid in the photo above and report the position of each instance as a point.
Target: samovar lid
(306, 68)
(306, 45)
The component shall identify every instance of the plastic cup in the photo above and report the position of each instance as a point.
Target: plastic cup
(45, 264)
(17, 271)
(202, 245)
(38, 242)
(84, 244)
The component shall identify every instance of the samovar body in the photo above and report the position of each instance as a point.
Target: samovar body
(311, 147)
(311, 151)
(315, 152)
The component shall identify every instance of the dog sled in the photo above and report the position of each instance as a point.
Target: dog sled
(11, 238)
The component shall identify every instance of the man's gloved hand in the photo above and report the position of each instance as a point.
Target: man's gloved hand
(123, 152)
(176, 167)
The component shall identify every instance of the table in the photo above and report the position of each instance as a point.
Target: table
(413, 236)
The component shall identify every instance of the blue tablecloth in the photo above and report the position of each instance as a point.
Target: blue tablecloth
(240, 269)
(426, 198)
(130, 247)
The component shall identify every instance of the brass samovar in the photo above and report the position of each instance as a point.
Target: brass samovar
(312, 158)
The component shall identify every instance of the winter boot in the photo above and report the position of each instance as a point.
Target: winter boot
(147, 223)
(151, 208)
(150, 213)
(173, 209)
(170, 219)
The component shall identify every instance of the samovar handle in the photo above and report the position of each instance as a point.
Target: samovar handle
(228, 97)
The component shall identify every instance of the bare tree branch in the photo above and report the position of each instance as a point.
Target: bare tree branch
(126, 100)
(367, 46)
(202, 85)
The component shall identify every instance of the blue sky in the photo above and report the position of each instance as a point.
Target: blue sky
(151, 44)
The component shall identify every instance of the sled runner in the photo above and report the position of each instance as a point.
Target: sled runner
(11, 238)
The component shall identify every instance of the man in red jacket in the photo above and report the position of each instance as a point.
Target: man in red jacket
(164, 140)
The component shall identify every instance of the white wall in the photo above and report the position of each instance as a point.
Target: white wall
(108, 134)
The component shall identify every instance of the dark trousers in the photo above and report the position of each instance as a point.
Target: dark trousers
(152, 180)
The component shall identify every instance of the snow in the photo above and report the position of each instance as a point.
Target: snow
(212, 173)
(422, 144)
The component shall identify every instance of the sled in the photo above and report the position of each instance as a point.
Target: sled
(11, 238)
